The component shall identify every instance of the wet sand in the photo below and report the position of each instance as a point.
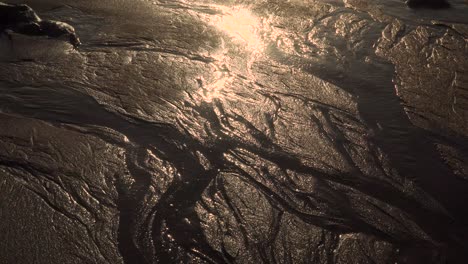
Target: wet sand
(236, 132)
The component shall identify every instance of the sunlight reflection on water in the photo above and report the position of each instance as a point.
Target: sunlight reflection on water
(242, 28)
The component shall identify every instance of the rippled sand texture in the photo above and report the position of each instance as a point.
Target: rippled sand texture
(236, 132)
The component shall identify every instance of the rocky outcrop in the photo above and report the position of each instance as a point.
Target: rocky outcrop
(23, 20)
(428, 4)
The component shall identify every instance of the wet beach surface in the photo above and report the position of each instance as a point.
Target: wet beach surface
(232, 131)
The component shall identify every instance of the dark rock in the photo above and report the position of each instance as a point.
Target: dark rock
(23, 20)
(56, 29)
(435, 4)
(16, 14)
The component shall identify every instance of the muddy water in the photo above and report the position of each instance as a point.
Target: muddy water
(236, 132)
